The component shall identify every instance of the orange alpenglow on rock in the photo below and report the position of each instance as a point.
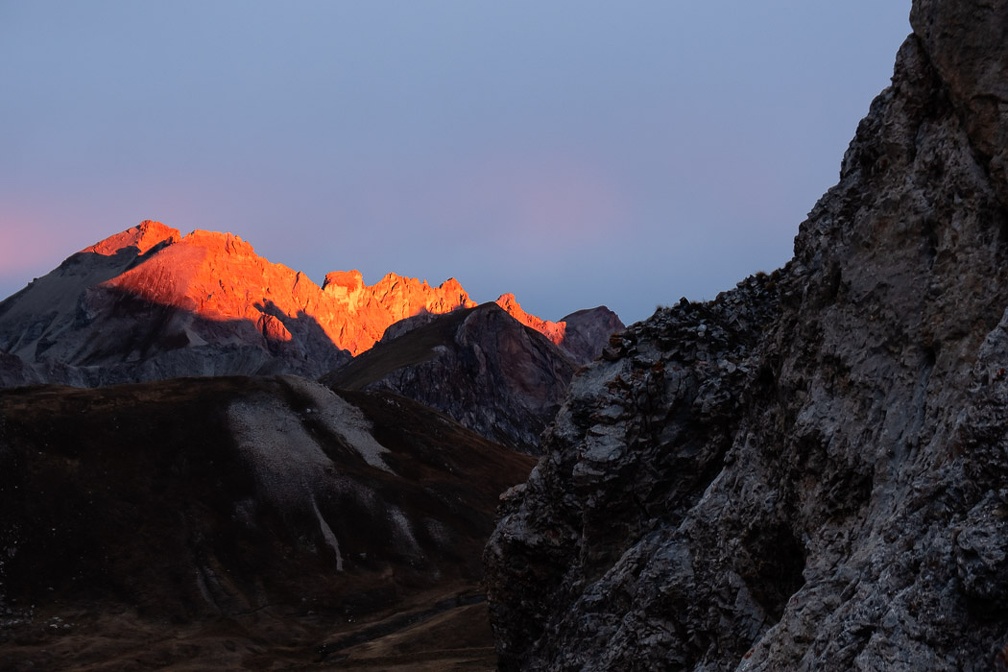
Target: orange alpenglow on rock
(143, 237)
(219, 277)
(554, 331)
(149, 303)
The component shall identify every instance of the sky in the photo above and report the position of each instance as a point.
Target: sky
(576, 153)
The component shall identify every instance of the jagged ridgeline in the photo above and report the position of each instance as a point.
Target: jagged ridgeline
(807, 473)
(150, 304)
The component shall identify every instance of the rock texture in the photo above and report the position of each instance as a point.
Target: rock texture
(480, 366)
(373, 309)
(587, 332)
(240, 523)
(807, 473)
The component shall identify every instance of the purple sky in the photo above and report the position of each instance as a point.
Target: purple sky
(575, 153)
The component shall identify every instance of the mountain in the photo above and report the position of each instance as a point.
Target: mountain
(807, 473)
(150, 304)
(241, 523)
(257, 521)
(480, 366)
(580, 335)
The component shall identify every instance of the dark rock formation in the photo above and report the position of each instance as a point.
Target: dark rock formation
(480, 366)
(233, 523)
(587, 332)
(808, 472)
(580, 335)
(15, 372)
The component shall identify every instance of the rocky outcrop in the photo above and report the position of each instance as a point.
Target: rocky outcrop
(581, 335)
(14, 372)
(234, 523)
(554, 331)
(807, 472)
(480, 366)
(587, 332)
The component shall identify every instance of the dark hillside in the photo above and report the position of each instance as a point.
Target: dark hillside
(238, 522)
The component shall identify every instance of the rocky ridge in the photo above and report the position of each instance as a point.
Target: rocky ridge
(480, 366)
(807, 472)
(149, 304)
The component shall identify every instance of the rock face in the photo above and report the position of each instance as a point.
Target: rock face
(480, 366)
(587, 332)
(391, 299)
(809, 472)
(235, 523)
(14, 372)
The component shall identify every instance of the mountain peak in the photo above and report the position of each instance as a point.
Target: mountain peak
(216, 242)
(144, 236)
(554, 331)
(150, 292)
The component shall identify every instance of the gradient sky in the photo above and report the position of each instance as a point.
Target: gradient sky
(575, 153)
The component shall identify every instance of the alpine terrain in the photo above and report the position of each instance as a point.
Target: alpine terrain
(178, 490)
(807, 473)
(150, 304)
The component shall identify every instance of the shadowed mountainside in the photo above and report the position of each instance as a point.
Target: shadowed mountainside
(480, 366)
(240, 522)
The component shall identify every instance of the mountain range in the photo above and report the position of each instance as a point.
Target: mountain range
(150, 304)
(206, 303)
(805, 473)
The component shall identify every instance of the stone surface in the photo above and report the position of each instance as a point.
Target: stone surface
(587, 332)
(807, 473)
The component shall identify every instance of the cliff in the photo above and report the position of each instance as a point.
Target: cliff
(807, 472)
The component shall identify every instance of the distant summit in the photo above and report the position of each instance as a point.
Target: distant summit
(149, 303)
